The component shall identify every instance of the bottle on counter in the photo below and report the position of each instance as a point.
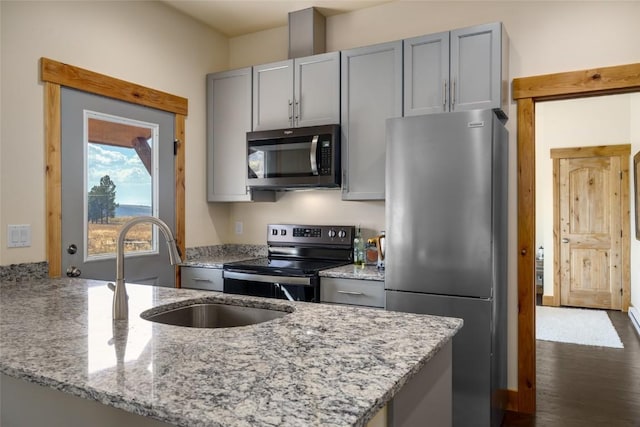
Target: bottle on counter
(358, 248)
(371, 252)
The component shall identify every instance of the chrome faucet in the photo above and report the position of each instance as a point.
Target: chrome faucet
(120, 303)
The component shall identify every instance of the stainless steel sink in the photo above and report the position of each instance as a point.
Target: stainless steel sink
(210, 315)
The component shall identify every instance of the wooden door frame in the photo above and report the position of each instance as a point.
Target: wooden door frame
(527, 91)
(55, 75)
(623, 152)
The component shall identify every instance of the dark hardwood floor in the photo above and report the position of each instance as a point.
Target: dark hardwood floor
(587, 386)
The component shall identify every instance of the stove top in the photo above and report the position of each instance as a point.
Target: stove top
(279, 266)
(301, 250)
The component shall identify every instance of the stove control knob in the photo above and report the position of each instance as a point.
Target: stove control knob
(342, 234)
(283, 232)
(274, 231)
(332, 233)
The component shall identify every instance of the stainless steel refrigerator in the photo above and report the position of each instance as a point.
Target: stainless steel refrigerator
(446, 213)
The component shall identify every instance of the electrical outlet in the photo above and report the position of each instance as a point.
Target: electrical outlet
(238, 227)
(18, 236)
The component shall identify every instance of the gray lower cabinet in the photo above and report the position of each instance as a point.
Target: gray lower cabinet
(228, 121)
(368, 293)
(297, 92)
(463, 69)
(209, 279)
(371, 92)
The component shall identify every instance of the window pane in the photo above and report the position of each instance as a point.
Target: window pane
(120, 163)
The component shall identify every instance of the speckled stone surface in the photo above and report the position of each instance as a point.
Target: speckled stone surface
(320, 365)
(352, 272)
(216, 256)
(26, 271)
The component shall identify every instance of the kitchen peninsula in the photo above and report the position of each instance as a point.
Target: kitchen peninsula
(319, 365)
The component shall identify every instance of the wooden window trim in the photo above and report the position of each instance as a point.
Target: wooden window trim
(56, 74)
(527, 91)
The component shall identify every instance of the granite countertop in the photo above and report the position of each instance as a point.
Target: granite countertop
(351, 271)
(214, 261)
(320, 365)
(216, 256)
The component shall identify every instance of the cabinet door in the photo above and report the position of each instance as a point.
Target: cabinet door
(476, 72)
(317, 90)
(228, 121)
(371, 92)
(426, 74)
(273, 95)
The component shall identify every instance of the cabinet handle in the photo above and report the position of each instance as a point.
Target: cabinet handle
(199, 279)
(296, 113)
(453, 95)
(350, 292)
(444, 95)
(291, 113)
(345, 186)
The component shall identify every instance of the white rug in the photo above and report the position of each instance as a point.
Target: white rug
(576, 326)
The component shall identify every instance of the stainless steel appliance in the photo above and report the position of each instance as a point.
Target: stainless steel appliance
(446, 213)
(306, 157)
(296, 253)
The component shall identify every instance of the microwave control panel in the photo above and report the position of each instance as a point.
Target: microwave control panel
(325, 157)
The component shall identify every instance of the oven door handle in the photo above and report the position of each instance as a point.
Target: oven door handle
(252, 277)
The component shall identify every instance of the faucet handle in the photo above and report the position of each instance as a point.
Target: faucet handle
(111, 286)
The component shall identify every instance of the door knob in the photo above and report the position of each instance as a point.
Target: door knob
(565, 240)
(73, 271)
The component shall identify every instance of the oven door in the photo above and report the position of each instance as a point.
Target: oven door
(304, 288)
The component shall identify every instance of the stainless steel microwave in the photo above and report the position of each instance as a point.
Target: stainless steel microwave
(306, 157)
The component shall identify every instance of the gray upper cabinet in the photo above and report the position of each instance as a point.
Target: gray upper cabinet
(426, 74)
(228, 121)
(463, 69)
(273, 95)
(297, 92)
(371, 92)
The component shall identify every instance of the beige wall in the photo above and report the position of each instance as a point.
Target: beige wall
(143, 42)
(607, 120)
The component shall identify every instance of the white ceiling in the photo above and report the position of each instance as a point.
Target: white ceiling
(237, 17)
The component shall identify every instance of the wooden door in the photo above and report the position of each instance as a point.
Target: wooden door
(590, 207)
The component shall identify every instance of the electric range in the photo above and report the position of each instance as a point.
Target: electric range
(296, 255)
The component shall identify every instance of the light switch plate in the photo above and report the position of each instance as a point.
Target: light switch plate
(18, 235)
(238, 227)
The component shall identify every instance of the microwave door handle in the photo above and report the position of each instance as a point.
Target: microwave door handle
(312, 155)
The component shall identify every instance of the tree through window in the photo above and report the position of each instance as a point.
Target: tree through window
(119, 183)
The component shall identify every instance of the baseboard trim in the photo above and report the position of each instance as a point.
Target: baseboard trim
(547, 300)
(634, 315)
